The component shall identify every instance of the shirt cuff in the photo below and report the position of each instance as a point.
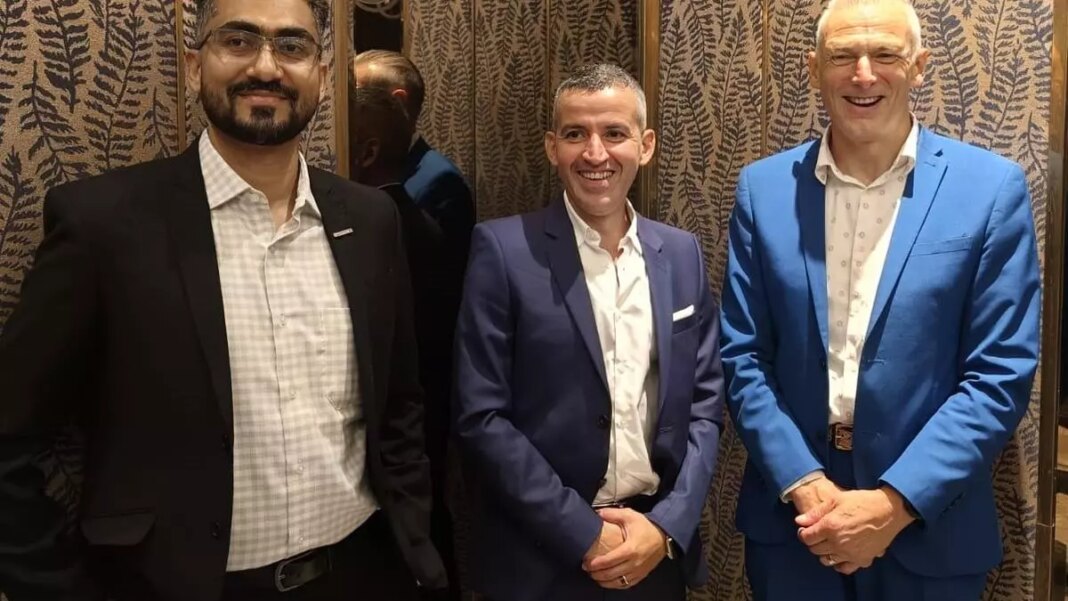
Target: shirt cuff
(803, 480)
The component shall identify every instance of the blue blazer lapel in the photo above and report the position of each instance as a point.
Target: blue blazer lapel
(567, 272)
(920, 189)
(658, 269)
(811, 209)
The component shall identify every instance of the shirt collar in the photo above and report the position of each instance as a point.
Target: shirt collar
(586, 234)
(223, 184)
(906, 157)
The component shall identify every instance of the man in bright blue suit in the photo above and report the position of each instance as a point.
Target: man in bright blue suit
(880, 335)
(589, 387)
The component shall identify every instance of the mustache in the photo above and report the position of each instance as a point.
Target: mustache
(271, 87)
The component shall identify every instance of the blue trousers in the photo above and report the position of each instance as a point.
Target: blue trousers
(790, 572)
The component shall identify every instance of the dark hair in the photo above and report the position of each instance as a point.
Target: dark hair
(594, 78)
(397, 72)
(206, 9)
(376, 113)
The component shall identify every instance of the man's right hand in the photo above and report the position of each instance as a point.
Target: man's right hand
(808, 496)
(611, 537)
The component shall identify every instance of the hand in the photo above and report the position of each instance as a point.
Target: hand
(611, 536)
(849, 531)
(644, 546)
(810, 495)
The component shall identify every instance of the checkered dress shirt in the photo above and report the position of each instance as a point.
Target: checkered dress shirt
(299, 434)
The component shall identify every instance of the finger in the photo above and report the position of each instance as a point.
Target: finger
(616, 515)
(610, 574)
(814, 535)
(827, 561)
(621, 554)
(814, 515)
(825, 548)
(846, 568)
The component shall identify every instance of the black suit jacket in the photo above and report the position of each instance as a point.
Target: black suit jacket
(121, 325)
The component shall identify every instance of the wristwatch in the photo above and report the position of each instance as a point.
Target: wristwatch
(669, 544)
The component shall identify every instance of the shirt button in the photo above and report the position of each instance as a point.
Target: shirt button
(292, 394)
(282, 320)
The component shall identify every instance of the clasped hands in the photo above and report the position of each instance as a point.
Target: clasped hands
(628, 548)
(848, 529)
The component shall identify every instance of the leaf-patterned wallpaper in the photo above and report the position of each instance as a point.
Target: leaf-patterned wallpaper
(734, 88)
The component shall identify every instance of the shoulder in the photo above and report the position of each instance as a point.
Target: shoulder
(974, 160)
(360, 199)
(106, 194)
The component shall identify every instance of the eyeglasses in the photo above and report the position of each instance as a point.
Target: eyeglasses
(847, 59)
(246, 45)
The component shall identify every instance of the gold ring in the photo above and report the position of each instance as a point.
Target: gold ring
(623, 580)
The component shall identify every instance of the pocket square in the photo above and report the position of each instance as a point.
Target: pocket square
(682, 313)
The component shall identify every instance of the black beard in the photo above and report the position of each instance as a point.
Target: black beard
(261, 129)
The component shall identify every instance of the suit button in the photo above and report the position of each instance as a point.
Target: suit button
(823, 364)
(216, 530)
(603, 421)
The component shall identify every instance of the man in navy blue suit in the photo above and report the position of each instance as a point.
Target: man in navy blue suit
(589, 387)
(880, 329)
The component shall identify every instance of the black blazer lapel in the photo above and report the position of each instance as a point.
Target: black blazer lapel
(347, 243)
(191, 236)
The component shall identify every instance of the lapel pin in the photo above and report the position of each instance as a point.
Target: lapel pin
(340, 233)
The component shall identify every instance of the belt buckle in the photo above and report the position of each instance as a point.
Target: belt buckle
(280, 574)
(842, 435)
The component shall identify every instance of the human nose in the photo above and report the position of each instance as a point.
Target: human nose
(265, 64)
(862, 72)
(595, 150)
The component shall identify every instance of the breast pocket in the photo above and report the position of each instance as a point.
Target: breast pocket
(937, 247)
(336, 358)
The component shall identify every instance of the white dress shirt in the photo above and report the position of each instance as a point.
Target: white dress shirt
(622, 309)
(299, 435)
(859, 222)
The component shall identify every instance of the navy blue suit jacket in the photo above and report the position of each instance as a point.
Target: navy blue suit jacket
(532, 406)
(947, 363)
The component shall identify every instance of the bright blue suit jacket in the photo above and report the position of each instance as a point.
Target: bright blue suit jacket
(948, 360)
(532, 403)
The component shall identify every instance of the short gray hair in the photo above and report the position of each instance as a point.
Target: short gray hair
(376, 113)
(910, 14)
(206, 9)
(594, 78)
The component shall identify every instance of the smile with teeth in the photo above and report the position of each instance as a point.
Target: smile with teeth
(596, 175)
(863, 100)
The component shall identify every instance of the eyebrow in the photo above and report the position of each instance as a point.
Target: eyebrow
(282, 32)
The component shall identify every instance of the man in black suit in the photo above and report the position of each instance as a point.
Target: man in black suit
(233, 329)
(379, 130)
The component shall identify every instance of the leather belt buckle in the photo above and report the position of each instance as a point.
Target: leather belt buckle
(296, 571)
(842, 436)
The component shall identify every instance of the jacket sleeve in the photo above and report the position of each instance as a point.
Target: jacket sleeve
(505, 463)
(765, 425)
(999, 356)
(679, 512)
(46, 352)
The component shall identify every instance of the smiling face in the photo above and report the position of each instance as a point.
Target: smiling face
(864, 69)
(596, 147)
(260, 99)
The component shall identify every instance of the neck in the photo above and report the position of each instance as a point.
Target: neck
(867, 160)
(272, 170)
(611, 227)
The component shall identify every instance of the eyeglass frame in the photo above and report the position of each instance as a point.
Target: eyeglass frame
(265, 40)
(891, 58)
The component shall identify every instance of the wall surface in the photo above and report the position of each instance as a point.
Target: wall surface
(734, 88)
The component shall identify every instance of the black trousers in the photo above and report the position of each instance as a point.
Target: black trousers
(366, 565)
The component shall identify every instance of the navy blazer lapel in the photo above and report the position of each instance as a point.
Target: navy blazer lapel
(192, 237)
(566, 267)
(920, 189)
(658, 269)
(347, 244)
(811, 210)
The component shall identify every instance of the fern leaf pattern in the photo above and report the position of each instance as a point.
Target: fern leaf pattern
(13, 27)
(64, 43)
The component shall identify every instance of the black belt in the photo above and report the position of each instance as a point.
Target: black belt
(294, 572)
(639, 503)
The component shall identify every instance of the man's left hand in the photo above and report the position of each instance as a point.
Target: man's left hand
(850, 531)
(643, 548)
